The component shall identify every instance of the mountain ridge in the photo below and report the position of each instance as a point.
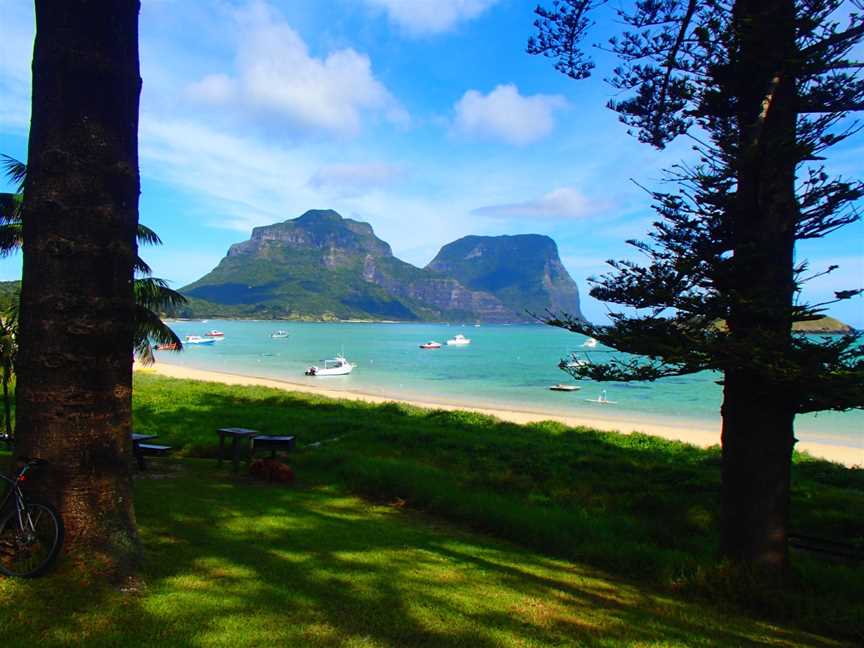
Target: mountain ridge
(323, 266)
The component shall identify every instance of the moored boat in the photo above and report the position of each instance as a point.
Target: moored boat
(431, 344)
(459, 340)
(337, 366)
(214, 334)
(280, 334)
(197, 339)
(590, 343)
(601, 399)
(565, 388)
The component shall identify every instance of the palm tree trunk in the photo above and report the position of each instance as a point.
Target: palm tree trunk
(758, 413)
(80, 218)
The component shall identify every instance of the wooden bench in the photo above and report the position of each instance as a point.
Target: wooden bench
(272, 443)
(150, 450)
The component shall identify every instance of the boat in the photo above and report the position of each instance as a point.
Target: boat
(590, 343)
(565, 388)
(170, 346)
(280, 334)
(573, 364)
(214, 334)
(459, 340)
(337, 366)
(197, 339)
(431, 344)
(601, 399)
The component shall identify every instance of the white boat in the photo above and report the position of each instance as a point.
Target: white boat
(459, 340)
(431, 344)
(601, 399)
(590, 343)
(280, 334)
(337, 366)
(214, 334)
(197, 339)
(565, 388)
(573, 364)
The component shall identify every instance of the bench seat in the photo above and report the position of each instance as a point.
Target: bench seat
(150, 450)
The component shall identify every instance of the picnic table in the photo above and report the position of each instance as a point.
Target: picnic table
(235, 434)
(256, 440)
(140, 449)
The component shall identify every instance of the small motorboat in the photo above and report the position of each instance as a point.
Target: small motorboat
(214, 334)
(337, 366)
(565, 388)
(601, 399)
(459, 340)
(590, 343)
(573, 364)
(431, 344)
(197, 339)
(166, 347)
(279, 335)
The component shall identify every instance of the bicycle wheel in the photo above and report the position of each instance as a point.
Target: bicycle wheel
(28, 550)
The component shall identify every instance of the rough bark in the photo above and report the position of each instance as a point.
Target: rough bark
(80, 219)
(758, 414)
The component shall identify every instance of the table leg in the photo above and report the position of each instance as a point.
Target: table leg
(221, 448)
(234, 457)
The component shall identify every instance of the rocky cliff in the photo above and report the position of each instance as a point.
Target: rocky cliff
(321, 265)
(524, 272)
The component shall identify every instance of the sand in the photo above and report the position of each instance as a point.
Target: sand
(696, 434)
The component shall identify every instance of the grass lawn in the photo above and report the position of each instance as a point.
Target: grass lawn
(399, 530)
(231, 562)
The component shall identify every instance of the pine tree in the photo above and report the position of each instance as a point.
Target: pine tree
(764, 88)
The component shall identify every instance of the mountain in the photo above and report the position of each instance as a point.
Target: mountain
(524, 272)
(324, 266)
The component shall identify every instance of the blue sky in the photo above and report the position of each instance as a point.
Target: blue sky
(424, 118)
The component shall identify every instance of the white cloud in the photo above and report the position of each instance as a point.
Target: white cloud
(276, 78)
(506, 115)
(424, 17)
(561, 203)
(349, 180)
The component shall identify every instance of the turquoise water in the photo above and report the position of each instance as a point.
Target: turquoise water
(507, 367)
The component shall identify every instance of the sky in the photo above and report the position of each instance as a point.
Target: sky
(424, 118)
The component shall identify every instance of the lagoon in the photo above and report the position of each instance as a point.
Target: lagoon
(504, 367)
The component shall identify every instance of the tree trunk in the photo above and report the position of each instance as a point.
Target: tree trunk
(758, 412)
(80, 218)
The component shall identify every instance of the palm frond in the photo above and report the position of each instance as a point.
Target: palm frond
(141, 268)
(15, 170)
(10, 207)
(147, 236)
(153, 293)
(149, 329)
(11, 238)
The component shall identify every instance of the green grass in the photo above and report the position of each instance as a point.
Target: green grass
(469, 531)
(229, 562)
(631, 504)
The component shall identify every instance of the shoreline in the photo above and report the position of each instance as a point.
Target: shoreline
(699, 435)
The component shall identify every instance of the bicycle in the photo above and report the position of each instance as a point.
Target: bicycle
(31, 533)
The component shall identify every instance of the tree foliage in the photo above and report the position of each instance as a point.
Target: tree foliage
(763, 88)
(677, 66)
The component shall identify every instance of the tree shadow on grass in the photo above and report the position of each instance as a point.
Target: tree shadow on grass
(231, 562)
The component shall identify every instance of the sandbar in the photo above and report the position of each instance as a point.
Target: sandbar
(701, 435)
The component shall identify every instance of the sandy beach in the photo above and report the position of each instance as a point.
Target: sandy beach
(687, 432)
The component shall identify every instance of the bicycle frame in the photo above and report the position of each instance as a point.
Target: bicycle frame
(15, 491)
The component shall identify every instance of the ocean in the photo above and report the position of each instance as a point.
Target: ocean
(505, 366)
